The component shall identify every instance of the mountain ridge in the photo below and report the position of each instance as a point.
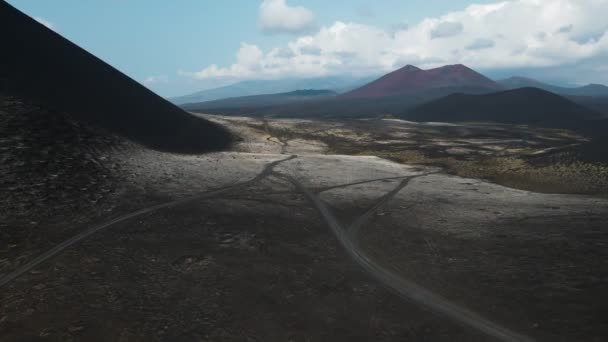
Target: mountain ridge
(411, 80)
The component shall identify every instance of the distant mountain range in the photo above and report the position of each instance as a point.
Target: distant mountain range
(266, 100)
(448, 93)
(392, 93)
(411, 80)
(337, 84)
(521, 82)
(408, 81)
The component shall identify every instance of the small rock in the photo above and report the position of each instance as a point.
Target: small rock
(74, 329)
(39, 286)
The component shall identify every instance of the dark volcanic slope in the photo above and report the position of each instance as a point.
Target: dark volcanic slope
(36, 63)
(524, 105)
(49, 161)
(411, 80)
(596, 103)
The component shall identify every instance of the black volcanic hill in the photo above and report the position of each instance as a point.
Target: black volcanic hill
(39, 65)
(522, 106)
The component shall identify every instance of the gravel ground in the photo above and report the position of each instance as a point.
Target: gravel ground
(56, 174)
(228, 249)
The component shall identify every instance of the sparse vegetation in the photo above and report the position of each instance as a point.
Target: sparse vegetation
(503, 154)
(517, 172)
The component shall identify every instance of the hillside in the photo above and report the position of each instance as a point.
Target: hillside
(39, 65)
(411, 80)
(522, 106)
(596, 103)
(48, 157)
(265, 100)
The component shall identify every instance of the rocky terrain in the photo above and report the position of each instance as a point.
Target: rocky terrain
(283, 239)
(53, 169)
(49, 157)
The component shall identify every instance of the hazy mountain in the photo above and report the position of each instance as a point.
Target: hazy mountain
(522, 105)
(588, 90)
(321, 107)
(338, 84)
(523, 82)
(265, 100)
(38, 65)
(411, 80)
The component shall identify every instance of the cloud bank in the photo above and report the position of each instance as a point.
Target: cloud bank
(509, 34)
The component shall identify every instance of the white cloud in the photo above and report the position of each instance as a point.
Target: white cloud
(248, 63)
(276, 16)
(152, 80)
(45, 22)
(488, 36)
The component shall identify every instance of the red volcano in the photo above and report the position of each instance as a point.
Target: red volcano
(410, 80)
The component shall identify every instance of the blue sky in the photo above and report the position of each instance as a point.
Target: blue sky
(172, 46)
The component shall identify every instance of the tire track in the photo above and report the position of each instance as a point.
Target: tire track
(284, 143)
(406, 289)
(354, 228)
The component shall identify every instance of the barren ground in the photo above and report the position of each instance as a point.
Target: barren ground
(301, 233)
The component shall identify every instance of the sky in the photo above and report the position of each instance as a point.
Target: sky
(178, 47)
